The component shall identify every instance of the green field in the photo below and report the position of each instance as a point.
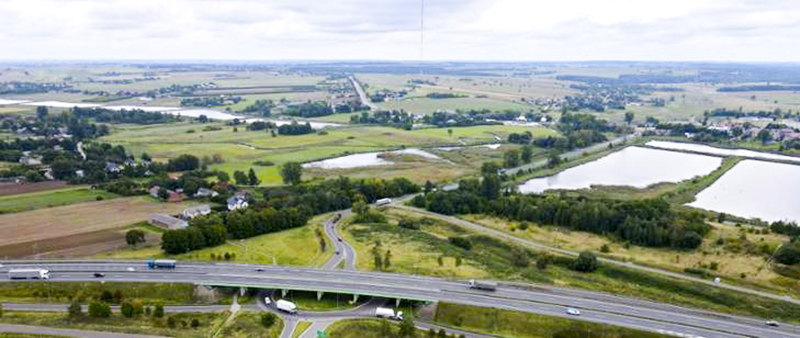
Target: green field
(63, 292)
(51, 198)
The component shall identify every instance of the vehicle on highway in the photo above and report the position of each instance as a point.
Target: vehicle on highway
(286, 306)
(383, 312)
(161, 263)
(383, 201)
(772, 323)
(28, 274)
(337, 252)
(573, 311)
(260, 270)
(482, 285)
(337, 217)
(130, 269)
(339, 239)
(99, 275)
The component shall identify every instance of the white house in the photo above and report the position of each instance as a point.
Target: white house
(191, 212)
(237, 202)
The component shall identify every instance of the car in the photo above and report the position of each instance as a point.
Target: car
(337, 252)
(772, 323)
(260, 270)
(99, 275)
(573, 311)
(339, 239)
(267, 301)
(131, 269)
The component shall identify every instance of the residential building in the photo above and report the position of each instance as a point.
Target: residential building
(237, 202)
(191, 212)
(205, 192)
(167, 222)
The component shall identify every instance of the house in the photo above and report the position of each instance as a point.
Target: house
(175, 196)
(30, 160)
(80, 173)
(113, 167)
(191, 212)
(167, 222)
(129, 162)
(205, 192)
(237, 202)
(154, 191)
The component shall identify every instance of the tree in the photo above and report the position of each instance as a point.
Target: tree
(789, 253)
(252, 178)
(450, 132)
(159, 311)
(41, 113)
(99, 309)
(1, 310)
(628, 117)
(407, 327)
(267, 319)
(106, 296)
(75, 310)
(489, 168)
(429, 187)
(126, 309)
(138, 308)
(519, 257)
(387, 259)
(223, 177)
(511, 158)
(195, 323)
(240, 177)
(765, 136)
(291, 172)
(376, 255)
(62, 169)
(163, 194)
(586, 262)
(134, 237)
(442, 334)
(527, 154)
(118, 296)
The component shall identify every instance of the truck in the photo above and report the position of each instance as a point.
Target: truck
(286, 306)
(383, 312)
(28, 274)
(161, 263)
(482, 285)
(383, 201)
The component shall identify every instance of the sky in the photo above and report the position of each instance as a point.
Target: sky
(488, 30)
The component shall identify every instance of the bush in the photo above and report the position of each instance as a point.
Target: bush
(264, 163)
(461, 242)
(586, 262)
(171, 322)
(159, 311)
(195, 323)
(75, 309)
(789, 253)
(127, 309)
(267, 320)
(408, 224)
(605, 248)
(99, 309)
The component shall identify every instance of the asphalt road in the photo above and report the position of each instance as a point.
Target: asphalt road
(344, 251)
(363, 95)
(600, 308)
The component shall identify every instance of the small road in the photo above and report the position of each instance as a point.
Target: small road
(362, 95)
(80, 150)
(41, 330)
(571, 154)
(539, 246)
(344, 251)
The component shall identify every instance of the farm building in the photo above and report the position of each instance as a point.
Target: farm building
(191, 212)
(167, 221)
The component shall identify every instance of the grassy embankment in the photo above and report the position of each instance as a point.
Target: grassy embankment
(118, 323)
(418, 252)
(53, 198)
(298, 246)
(301, 327)
(63, 292)
(248, 324)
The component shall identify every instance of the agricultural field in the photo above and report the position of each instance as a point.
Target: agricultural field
(47, 199)
(7, 189)
(60, 228)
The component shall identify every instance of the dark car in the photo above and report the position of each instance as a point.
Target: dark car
(260, 270)
(337, 252)
(340, 239)
(99, 275)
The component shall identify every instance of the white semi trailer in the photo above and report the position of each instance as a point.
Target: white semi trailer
(28, 274)
(383, 312)
(286, 306)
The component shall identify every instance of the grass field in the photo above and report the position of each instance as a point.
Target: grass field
(248, 324)
(297, 246)
(118, 323)
(47, 199)
(80, 218)
(63, 292)
(520, 324)
(360, 328)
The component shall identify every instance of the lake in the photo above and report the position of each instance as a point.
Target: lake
(701, 148)
(633, 166)
(766, 190)
(366, 159)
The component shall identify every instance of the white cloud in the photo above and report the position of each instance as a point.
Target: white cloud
(726, 30)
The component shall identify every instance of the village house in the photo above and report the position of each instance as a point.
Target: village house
(167, 222)
(237, 202)
(205, 192)
(113, 167)
(154, 191)
(30, 160)
(192, 212)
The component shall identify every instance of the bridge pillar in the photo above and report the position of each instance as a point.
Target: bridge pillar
(283, 293)
(319, 295)
(355, 299)
(242, 291)
(397, 302)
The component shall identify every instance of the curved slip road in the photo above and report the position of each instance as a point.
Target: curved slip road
(344, 251)
(548, 301)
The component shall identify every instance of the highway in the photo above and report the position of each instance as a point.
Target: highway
(600, 308)
(363, 95)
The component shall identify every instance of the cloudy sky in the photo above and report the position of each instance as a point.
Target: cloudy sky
(527, 30)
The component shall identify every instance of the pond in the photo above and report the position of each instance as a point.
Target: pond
(752, 188)
(633, 166)
(701, 148)
(366, 159)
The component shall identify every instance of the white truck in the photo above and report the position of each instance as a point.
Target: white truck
(383, 201)
(28, 274)
(482, 285)
(286, 306)
(383, 312)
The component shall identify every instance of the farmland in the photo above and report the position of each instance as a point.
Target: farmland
(38, 200)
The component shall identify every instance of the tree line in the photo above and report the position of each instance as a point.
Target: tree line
(133, 116)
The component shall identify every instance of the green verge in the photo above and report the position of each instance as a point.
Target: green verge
(494, 258)
(248, 324)
(301, 327)
(62, 292)
(359, 328)
(52, 198)
(117, 323)
(520, 324)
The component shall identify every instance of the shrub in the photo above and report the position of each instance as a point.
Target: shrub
(99, 309)
(461, 242)
(267, 320)
(408, 224)
(195, 323)
(159, 311)
(523, 226)
(605, 248)
(127, 309)
(75, 309)
(171, 322)
(586, 262)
